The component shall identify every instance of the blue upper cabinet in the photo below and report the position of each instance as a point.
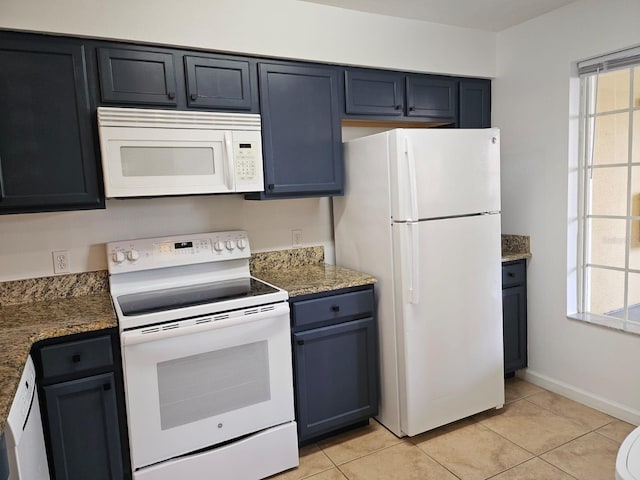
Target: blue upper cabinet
(374, 93)
(475, 103)
(432, 97)
(386, 95)
(301, 132)
(47, 145)
(434, 100)
(143, 76)
(146, 77)
(218, 82)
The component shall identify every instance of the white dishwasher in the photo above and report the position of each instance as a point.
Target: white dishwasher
(26, 454)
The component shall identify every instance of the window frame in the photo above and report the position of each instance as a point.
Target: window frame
(588, 116)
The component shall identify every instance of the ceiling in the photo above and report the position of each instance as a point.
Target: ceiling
(489, 15)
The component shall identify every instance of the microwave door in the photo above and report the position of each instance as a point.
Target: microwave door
(156, 161)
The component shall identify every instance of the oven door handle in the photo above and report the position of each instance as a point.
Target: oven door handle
(198, 325)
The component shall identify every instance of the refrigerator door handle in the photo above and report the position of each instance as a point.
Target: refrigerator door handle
(413, 191)
(414, 263)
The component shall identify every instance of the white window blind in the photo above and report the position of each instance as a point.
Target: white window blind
(612, 61)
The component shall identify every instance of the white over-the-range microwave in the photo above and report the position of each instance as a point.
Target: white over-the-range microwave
(167, 152)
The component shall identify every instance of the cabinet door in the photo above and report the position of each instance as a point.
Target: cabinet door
(374, 93)
(301, 133)
(218, 83)
(47, 151)
(83, 428)
(514, 322)
(434, 97)
(335, 371)
(137, 76)
(475, 103)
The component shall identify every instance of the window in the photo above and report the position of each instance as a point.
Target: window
(609, 203)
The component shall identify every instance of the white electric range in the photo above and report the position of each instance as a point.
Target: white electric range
(206, 357)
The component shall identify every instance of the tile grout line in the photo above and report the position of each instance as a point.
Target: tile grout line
(556, 466)
(435, 460)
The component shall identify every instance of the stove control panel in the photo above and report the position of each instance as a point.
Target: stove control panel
(150, 253)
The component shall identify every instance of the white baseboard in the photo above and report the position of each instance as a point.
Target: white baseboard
(623, 412)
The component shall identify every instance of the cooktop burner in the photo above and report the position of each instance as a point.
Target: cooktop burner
(187, 296)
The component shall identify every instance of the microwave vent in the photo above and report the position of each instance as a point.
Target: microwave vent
(149, 118)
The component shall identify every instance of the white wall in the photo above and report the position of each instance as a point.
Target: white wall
(26, 241)
(535, 104)
(280, 28)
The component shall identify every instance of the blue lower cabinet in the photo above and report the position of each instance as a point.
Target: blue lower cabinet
(514, 315)
(335, 368)
(83, 425)
(82, 405)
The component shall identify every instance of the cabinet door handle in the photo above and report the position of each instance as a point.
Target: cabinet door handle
(194, 96)
(412, 108)
(300, 342)
(171, 95)
(1, 183)
(106, 387)
(335, 308)
(76, 358)
(511, 274)
(398, 107)
(271, 186)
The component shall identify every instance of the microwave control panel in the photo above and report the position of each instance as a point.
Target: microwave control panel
(246, 156)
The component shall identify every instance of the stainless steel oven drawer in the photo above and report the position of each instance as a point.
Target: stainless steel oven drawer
(76, 357)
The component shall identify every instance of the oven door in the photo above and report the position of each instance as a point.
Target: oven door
(196, 383)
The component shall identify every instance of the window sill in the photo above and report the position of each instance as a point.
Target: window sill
(605, 321)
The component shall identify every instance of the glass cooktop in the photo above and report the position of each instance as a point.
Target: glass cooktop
(191, 295)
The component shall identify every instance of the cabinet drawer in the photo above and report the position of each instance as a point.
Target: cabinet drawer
(333, 307)
(513, 274)
(76, 357)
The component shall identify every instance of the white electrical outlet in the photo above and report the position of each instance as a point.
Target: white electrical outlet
(296, 238)
(60, 261)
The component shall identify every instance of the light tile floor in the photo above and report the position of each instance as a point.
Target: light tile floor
(538, 435)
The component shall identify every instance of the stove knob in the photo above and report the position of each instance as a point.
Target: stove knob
(117, 257)
(133, 255)
(241, 244)
(217, 246)
(229, 244)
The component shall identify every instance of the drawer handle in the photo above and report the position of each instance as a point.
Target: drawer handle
(76, 358)
(300, 342)
(106, 387)
(335, 308)
(511, 274)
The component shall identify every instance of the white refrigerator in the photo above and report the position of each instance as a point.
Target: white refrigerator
(421, 212)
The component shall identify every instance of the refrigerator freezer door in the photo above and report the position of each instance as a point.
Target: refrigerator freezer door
(440, 173)
(450, 331)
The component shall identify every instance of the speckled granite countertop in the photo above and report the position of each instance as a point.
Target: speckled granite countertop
(515, 247)
(37, 309)
(303, 271)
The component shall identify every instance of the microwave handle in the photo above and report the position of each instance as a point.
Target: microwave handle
(228, 147)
